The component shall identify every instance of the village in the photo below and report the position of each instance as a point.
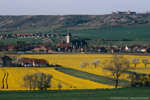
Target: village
(68, 45)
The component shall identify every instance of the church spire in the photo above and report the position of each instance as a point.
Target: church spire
(68, 37)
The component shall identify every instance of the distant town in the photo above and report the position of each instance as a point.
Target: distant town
(69, 45)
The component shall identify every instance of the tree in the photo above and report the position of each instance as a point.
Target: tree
(145, 61)
(117, 66)
(95, 63)
(39, 81)
(84, 64)
(28, 81)
(59, 86)
(135, 61)
(19, 60)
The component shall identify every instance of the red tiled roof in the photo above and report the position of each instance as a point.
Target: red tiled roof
(63, 45)
(11, 47)
(36, 61)
(40, 61)
(28, 60)
(25, 34)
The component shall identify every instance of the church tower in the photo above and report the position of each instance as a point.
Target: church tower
(68, 37)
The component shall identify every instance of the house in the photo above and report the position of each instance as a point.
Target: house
(40, 63)
(24, 34)
(42, 48)
(143, 50)
(27, 62)
(32, 62)
(11, 48)
(7, 61)
(63, 47)
(124, 13)
(126, 48)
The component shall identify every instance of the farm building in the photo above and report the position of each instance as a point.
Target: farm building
(7, 61)
(40, 63)
(31, 62)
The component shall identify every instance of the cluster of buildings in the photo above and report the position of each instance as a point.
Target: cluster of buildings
(32, 62)
(29, 35)
(70, 44)
(124, 13)
(7, 61)
(24, 47)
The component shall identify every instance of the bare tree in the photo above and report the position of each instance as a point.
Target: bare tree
(117, 66)
(145, 61)
(19, 60)
(28, 81)
(38, 81)
(59, 86)
(135, 61)
(84, 64)
(95, 63)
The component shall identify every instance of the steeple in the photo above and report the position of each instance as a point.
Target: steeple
(68, 37)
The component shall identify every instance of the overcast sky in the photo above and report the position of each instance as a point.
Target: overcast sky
(67, 7)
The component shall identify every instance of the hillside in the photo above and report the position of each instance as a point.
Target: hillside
(51, 23)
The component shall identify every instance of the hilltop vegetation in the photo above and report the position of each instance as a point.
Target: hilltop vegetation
(51, 23)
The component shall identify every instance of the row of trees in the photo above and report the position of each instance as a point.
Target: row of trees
(135, 62)
(117, 65)
(95, 63)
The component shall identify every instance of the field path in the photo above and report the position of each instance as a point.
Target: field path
(5, 79)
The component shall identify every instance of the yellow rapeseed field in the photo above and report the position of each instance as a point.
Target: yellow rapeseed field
(15, 79)
(16, 75)
(74, 61)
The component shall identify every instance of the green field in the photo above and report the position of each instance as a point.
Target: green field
(92, 77)
(141, 93)
(115, 33)
(104, 33)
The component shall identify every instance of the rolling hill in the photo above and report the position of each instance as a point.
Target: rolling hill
(54, 23)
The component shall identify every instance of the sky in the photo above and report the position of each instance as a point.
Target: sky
(71, 7)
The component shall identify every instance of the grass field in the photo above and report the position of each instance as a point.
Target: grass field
(141, 93)
(115, 33)
(92, 77)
